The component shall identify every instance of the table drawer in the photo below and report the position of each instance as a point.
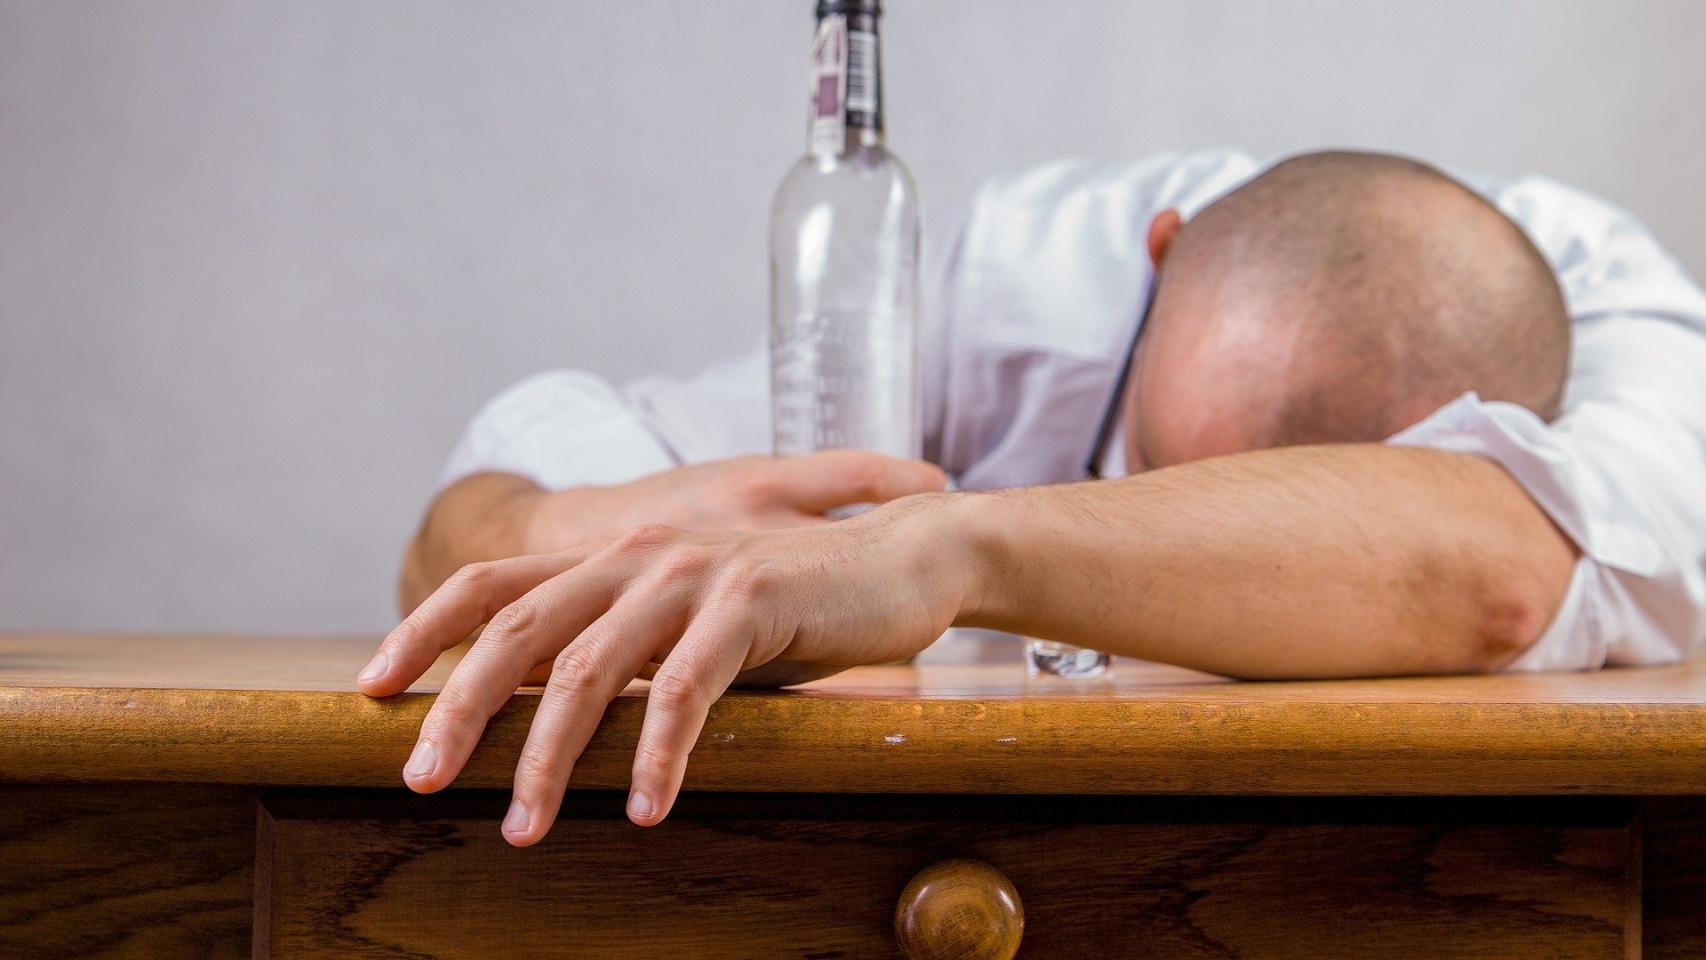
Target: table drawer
(388, 875)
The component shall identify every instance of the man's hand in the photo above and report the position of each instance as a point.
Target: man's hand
(741, 493)
(691, 609)
(491, 516)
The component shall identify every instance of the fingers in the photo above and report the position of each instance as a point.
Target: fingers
(588, 674)
(529, 631)
(694, 675)
(834, 478)
(788, 519)
(456, 609)
(541, 673)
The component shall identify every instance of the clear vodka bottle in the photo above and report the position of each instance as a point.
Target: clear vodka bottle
(844, 262)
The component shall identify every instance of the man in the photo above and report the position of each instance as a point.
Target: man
(1260, 529)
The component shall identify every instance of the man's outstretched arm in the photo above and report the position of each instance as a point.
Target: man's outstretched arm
(1302, 562)
(1346, 560)
(564, 457)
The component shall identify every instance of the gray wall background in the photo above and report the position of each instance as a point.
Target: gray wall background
(260, 261)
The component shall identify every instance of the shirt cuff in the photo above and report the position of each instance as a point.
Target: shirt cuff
(559, 429)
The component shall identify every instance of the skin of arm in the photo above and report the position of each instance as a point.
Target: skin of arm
(1334, 561)
(482, 517)
(1301, 562)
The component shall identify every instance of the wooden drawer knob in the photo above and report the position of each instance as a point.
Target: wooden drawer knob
(959, 909)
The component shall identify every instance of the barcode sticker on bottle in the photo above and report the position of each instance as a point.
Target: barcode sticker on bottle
(862, 71)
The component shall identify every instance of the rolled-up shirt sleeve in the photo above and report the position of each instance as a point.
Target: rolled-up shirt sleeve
(1622, 470)
(568, 428)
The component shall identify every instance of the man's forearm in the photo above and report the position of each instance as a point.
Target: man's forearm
(482, 517)
(1349, 560)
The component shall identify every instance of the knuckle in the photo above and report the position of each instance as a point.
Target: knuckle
(511, 622)
(866, 478)
(755, 486)
(684, 564)
(473, 577)
(536, 764)
(647, 536)
(576, 671)
(745, 581)
(405, 636)
(455, 709)
(673, 692)
(651, 763)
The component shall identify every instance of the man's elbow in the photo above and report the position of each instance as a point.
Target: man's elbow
(1516, 571)
(1508, 621)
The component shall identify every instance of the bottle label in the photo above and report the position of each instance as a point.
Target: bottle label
(861, 74)
(829, 87)
(846, 378)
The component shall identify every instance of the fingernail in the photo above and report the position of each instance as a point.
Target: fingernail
(375, 668)
(515, 821)
(422, 761)
(640, 807)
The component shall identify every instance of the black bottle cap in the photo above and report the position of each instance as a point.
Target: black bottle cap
(870, 7)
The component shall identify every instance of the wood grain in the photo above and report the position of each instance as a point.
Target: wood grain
(959, 909)
(925, 729)
(155, 855)
(731, 877)
(126, 871)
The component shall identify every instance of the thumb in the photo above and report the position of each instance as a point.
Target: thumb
(834, 478)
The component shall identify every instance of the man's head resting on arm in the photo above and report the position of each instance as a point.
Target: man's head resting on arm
(1338, 297)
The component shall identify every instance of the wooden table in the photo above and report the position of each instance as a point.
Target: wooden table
(211, 796)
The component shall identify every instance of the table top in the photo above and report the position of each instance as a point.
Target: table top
(283, 710)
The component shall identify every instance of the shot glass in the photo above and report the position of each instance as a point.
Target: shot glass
(1046, 658)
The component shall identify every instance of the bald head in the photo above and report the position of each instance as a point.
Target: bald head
(1340, 297)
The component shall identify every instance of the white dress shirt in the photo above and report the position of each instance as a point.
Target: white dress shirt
(1029, 307)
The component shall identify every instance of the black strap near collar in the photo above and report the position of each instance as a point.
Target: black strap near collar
(1111, 412)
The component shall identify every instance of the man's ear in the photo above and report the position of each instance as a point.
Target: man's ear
(1162, 230)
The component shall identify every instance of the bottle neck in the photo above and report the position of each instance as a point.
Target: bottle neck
(846, 84)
